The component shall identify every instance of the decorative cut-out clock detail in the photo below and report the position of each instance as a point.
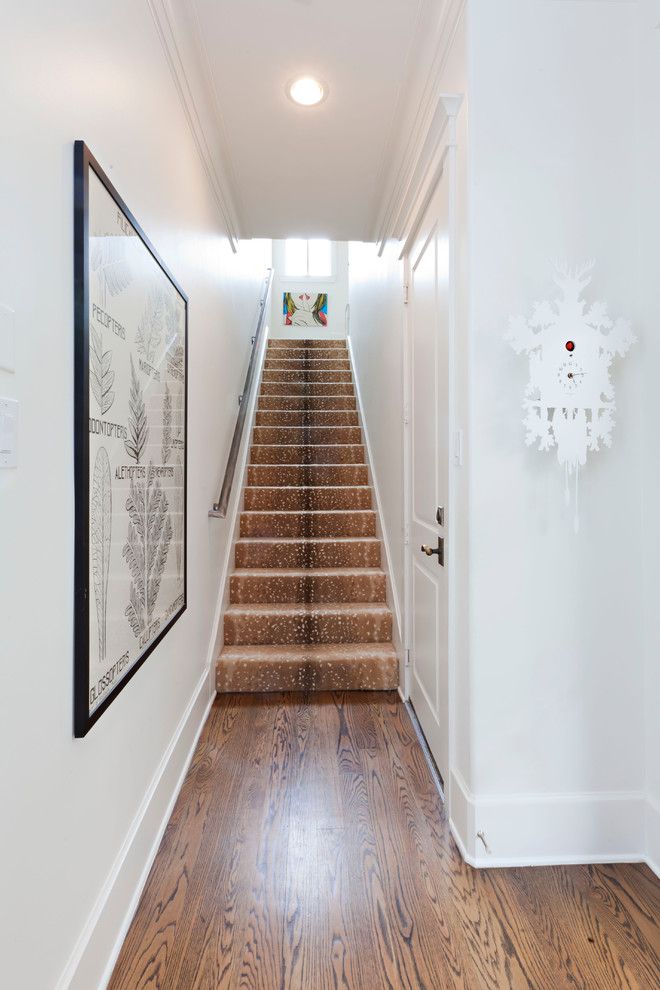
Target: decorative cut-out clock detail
(570, 375)
(569, 400)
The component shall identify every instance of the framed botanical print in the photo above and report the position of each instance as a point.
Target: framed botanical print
(131, 399)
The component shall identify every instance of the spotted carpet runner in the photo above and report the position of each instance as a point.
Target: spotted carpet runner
(308, 604)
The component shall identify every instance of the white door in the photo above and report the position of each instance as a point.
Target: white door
(428, 330)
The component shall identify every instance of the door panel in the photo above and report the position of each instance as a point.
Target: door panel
(424, 442)
(425, 633)
(429, 407)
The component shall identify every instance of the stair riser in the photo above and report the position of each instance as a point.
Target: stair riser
(308, 600)
(302, 436)
(302, 674)
(306, 403)
(306, 345)
(308, 524)
(251, 590)
(302, 356)
(257, 630)
(306, 475)
(362, 553)
(312, 364)
(329, 417)
(311, 389)
(309, 377)
(307, 499)
(320, 454)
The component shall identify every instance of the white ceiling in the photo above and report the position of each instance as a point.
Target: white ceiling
(303, 171)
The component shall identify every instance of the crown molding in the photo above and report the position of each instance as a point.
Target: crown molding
(414, 208)
(192, 97)
(408, 172)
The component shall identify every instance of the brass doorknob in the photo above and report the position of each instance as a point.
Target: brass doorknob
(439, 550)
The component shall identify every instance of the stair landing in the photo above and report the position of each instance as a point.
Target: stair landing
(308, 608)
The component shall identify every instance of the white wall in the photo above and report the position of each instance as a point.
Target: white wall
(557, 737)
(376, 337)
(376, 341)
(556, 619)
(81, 70)
(336, 287)
(648, 122)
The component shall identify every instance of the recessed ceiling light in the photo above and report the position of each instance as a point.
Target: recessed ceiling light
(306, 91)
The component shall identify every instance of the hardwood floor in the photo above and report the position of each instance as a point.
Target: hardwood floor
(309, 849)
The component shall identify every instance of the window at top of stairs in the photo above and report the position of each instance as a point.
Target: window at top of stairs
(308, 258)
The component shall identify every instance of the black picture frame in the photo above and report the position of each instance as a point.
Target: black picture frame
(83, 719)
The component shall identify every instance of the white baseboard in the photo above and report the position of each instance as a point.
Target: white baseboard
(392, 593)
(653, 835)
(547, 829)
(95, 953)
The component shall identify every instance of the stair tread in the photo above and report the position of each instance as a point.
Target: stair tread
(322, 596)
(312, 650)
(347, 409)
(265, 572)
(306, 512)
(324, 608)
(305, 361)
(346, 388)
(318, 475)
(306, 488)
(301, 446)
(311, 426)
(307, 539)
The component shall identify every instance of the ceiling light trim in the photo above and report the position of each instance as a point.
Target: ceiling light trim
(306, 77)
(408, 170)
(215, 171)
(229, 172)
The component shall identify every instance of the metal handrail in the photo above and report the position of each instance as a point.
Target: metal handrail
(219, 510)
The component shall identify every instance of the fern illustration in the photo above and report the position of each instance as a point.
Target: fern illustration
(178, 515)
(101, 375)
(100, 521)
(174, 338)
(146, 548)
(167, 425)
(150, 328)
(138, 429)
(108, 262)
(176, 357)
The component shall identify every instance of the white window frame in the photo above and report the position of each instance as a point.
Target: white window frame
(310, 279)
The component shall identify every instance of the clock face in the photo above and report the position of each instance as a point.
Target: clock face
(570, 376)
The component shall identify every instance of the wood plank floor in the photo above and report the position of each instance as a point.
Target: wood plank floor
(309, 849)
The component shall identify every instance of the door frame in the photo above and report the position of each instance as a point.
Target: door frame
(444, 165)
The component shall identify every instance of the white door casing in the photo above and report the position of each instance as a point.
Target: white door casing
(428, 296)
(430, 272)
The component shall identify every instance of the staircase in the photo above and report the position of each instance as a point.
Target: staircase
(307, 598)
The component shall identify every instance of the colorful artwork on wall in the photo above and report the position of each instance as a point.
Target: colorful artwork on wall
(303, 309)
(131, 326)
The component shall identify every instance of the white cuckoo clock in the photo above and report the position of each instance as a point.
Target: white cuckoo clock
(569, 400)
